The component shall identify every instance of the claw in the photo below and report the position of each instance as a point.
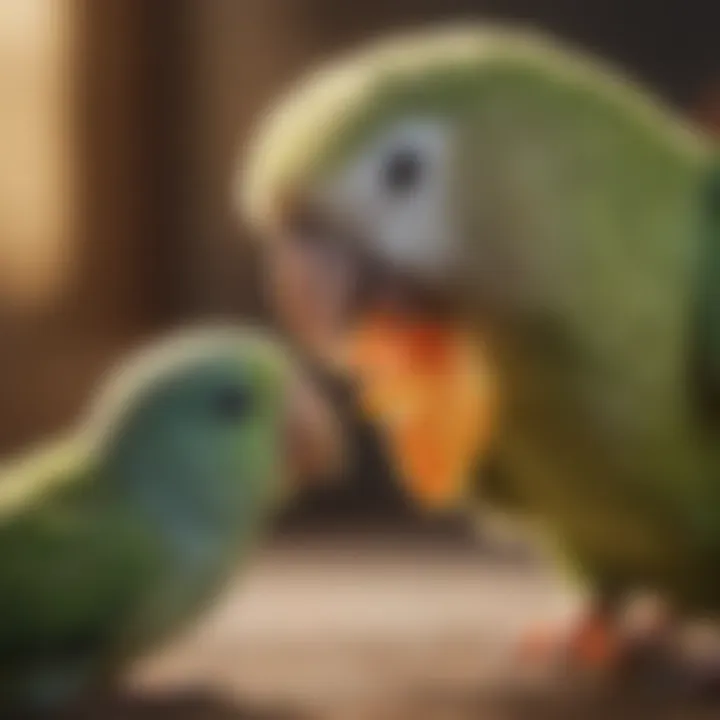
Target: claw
(594, 644)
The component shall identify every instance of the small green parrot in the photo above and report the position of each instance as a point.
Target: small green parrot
(504, 181)
(114, 538)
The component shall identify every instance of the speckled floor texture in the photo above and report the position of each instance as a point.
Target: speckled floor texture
(381, 629)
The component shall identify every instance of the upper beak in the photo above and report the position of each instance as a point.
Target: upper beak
(315, 440)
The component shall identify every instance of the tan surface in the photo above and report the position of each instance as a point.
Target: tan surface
(347, 631)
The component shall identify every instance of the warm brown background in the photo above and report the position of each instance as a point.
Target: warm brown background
(119, 128)
(123, 121)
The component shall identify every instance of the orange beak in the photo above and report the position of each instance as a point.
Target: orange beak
(430, 388)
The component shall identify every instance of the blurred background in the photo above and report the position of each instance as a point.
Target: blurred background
(120, 127)
(121, 124)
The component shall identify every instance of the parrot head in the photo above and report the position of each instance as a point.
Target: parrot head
(431, 180)
(217, 422)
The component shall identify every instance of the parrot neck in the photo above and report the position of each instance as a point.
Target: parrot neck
(583, 235)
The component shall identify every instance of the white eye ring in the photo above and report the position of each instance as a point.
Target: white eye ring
(396, 193)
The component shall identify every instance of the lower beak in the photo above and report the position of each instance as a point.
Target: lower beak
(314, 438)
(431, 391)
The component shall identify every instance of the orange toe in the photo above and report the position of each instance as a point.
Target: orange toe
(592, 645)
(595, 645)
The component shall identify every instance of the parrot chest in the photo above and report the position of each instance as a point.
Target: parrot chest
(197, 567)
(603, 480)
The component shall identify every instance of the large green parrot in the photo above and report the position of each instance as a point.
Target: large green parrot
(498, 179)
(116, 536)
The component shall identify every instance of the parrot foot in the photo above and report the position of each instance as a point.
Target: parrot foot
(644, 656)
(626, 650)
(593, 644)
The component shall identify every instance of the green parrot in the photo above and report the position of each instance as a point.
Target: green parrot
(116, 536)
(504, 181)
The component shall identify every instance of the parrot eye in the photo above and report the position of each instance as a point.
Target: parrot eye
(232, 404)
(402, 171)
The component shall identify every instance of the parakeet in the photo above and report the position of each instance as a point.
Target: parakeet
(503, 181)
(115, 536)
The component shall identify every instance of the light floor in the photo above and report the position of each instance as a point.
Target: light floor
(373, 630)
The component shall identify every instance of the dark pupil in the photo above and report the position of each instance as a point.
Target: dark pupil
(403, 171)
(232, 403)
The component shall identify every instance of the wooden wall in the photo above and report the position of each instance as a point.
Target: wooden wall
(98, 275)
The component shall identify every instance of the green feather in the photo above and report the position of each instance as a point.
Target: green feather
(704, 370)
(583, 244)
(115, 537)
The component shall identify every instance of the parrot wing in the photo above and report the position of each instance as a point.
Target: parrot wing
(705, 366)
(72, 562)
